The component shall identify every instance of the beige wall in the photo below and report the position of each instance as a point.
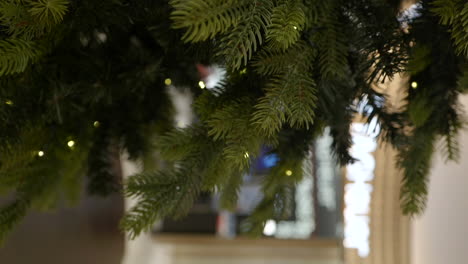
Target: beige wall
(440, 235)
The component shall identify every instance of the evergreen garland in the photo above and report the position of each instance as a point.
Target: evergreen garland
(80, 79)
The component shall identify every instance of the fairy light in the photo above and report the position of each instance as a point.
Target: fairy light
(40, 153)
(246, 155)
(289, 172)
(295, 27)
(270, 228)
(358, 189)
(71, 143)
(414, 85)
(168, 81)
(9, 102)
(96, 124)
(202, 84)
(181, 124)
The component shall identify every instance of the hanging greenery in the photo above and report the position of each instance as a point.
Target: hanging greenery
(81, 80)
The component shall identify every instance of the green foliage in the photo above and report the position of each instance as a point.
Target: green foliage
(16, 55)
(287, 21)
(204, 19)
(238, 45)
(462, 84)
(332, 47)
(13, 16)
(290, 95)
(240, 146)
(27, 24)
(446, 9)
(230, 190)
(279, 184)
(289, 98)
(11, 215)
(274, 62)
(38, 180)
(160, 194)
(454, 13)
(49, 11)
(294, 70)
(433, 111)
(101, 164)
(451, 146)
(420, 59)
(84, 70)
(416, 161)
(30, 19)
(419, 111)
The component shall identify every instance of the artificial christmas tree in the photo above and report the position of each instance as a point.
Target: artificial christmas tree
(83, 79)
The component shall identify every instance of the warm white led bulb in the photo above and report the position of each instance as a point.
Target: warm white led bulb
(71, 143)
(202, 84)
(270, 228)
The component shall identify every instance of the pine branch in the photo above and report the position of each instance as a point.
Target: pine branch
(226, 120)
(420, 59)
(180, 144)
(290, 97)
(333, 49)
(462, 84)
(451, 147)
(460, 32)
(218, 172)
(40, 189)
(16, 19)
(316, 9)
(204, 19)
(454, 13)
(11, 215)
(49, 12)
(229, 123)
(420, 110)
(159, 195)
(18, 154)
(278, 185)
(446, 9)
(16, 55)
(244, 38)
(31, 19)
(416, 163)
(287, 22)
(255, 223)
(100, 171)
(230, 191)
(268, 62)
(342, 139)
